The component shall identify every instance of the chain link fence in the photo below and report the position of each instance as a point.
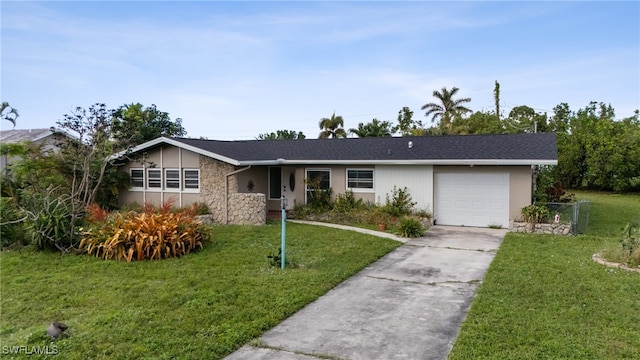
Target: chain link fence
(576, 212)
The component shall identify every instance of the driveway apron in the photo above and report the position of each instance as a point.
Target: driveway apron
(410, 304)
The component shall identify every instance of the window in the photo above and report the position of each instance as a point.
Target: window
(317, 180)
(137, 178)
(154, 178)
(172, 179)
(360, 179)
(275, 182)
(191, 179)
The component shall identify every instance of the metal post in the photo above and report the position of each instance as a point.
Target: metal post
(576, 212)
(284, 230)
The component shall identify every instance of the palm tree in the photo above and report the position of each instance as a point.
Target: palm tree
(447, 108)
(332, 127)
(10, 114)
(375, 128)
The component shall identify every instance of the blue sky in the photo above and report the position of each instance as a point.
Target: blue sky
(233, 70)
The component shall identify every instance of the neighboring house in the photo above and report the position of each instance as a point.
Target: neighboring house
(471, 180)
(49, 138)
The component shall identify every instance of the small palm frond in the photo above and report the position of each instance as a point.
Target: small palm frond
(10, 115)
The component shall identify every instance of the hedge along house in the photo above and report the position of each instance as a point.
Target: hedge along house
(470, 180)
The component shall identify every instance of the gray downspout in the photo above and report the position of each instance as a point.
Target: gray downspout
(534, 182)
(226, 192)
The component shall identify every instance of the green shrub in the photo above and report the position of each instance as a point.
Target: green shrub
(347, 202)
(317, 198)
(545, 178)
(634, 183)
(549, 189)
(356, 216)
(535, 214)
(51, 222)
(411, 227)
(300, 211)
(275, 259)
(399, 203)
(11, 223)
(630, 238)
(628, 250)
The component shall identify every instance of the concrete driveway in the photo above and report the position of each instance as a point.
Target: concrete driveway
(408, 305)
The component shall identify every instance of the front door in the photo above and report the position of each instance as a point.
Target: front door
(282, 181)
(289, 184)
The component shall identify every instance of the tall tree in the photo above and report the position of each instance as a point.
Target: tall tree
(525, 119)
(375, 128)
(87, 155)
(72, 176)
(406, 125)
(282, 135)
(599, 152)
(447, 108)
(332, 127)
(560, 121)
(134, 124)
(478, 123)
(7, 112)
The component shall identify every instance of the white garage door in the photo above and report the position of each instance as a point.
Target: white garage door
(472, 199)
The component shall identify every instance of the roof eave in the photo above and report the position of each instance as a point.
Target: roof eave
(55, 130)
(500, 162)
(169, 141)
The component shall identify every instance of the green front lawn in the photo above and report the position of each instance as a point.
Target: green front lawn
(202, 306)
(543, 297)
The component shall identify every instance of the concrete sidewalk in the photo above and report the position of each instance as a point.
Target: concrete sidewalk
(408, 305)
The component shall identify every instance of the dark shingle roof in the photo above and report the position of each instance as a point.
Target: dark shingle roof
(540, 146)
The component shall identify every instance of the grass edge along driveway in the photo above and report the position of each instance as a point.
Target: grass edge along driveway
(543, 297)
(204, 305)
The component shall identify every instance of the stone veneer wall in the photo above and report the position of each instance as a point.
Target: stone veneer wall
(247, 209)
(243, 208)
(554, 228)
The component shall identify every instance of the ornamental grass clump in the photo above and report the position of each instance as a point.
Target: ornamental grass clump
(411, 227)
(144, 236)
